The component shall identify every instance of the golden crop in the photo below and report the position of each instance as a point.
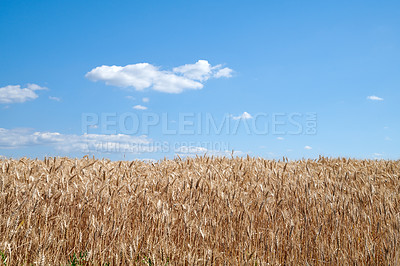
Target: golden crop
(200, 210)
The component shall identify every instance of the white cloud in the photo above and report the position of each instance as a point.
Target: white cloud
(280, 138)
(374, 98)
(144, 75)
(53, 98)
(307, 148)
(193, 150)
(243, 116)
(201, 70)
(139, 107)
(145, 100)
(223, 72)
(16, 94)
(130, 97)
(18, 138)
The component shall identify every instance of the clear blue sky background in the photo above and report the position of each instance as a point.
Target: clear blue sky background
(324, 57)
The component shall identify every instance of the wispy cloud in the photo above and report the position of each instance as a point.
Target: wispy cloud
(53, 98)
(17, 94)
(307, 147)
(224, 72)
(139, 107)
(202, 71)
(243, 116)
(147, 76)
(193, 150)
(374, 98)
(18, 138)
(280, 138)
(145, 100)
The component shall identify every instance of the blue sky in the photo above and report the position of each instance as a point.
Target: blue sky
(321, 76)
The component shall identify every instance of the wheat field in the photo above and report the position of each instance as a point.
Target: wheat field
(199, 211)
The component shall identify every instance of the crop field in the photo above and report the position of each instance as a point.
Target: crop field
(199, 211)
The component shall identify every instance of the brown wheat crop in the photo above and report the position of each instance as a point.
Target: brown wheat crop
(199, 211)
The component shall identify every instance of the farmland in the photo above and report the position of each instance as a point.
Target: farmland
(199, 211)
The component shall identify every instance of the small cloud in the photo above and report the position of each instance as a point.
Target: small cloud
(35, 87)
(94, 126)
(224, 72)
(374, 98)
(307, 147)
(388, 139)
(16, 94)
(376, 154)
(145, 100)
(243, 116)
(139, 107)
(130, 97)
(280, 138)
(54, 98)
(194, 150)
(191, 149)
